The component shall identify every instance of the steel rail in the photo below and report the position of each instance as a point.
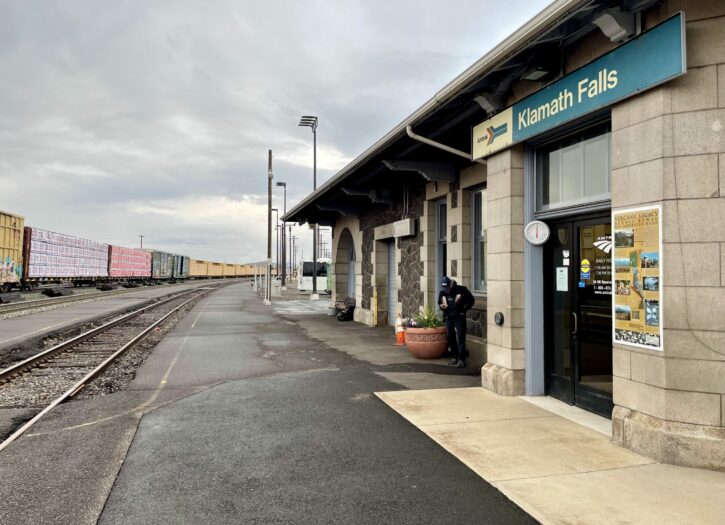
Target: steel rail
(17, 368)
(72, 391)
(52, 301)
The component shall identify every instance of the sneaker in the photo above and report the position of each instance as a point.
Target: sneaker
(461, 364)
(454, 361)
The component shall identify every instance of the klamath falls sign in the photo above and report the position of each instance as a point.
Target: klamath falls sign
(654, 57)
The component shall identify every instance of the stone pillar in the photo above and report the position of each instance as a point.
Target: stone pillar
(504, 370)
(428, 253)
(668, 148)
(459, 236)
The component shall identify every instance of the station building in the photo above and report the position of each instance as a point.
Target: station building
(574, 179)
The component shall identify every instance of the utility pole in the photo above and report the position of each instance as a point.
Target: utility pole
(142, 236)
(268, 284)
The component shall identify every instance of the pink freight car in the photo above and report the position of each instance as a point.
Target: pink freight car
(128, 263)
(50, 256)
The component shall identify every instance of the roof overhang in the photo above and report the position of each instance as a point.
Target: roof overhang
(467, 97)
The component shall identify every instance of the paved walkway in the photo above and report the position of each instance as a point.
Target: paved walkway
(559, 470)
(245, 415)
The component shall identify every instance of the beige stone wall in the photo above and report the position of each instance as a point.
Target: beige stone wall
(427, 226)
(504, 370)
(339, 262)
(668, 148)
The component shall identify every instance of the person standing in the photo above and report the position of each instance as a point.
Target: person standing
(454, 301)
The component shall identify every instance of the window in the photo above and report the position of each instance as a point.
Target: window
(321, 269)
(478, 256)
(441, 241)
(574, 170)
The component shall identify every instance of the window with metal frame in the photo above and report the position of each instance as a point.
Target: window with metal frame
(574, 170)
(478, 244)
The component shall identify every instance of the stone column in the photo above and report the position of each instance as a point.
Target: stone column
(504, 370)
(668, 148)
(428, 253)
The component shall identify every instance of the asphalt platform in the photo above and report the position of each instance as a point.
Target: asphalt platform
(251, 414)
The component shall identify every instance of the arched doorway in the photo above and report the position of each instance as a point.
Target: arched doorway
(345, 257)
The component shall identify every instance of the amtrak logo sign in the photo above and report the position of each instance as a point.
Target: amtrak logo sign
(654, 57)
(494, 132)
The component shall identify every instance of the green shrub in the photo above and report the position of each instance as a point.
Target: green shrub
(428, 319)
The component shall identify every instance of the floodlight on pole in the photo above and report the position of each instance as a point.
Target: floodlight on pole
(310, 121)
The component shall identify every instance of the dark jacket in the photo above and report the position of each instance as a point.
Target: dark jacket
(458, 298)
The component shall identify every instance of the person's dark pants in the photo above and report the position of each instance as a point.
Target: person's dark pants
(456, 325)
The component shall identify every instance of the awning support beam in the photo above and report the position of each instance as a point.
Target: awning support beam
(430, 171)
(370, 194)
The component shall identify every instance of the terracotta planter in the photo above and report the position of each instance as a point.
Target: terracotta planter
(427, 343)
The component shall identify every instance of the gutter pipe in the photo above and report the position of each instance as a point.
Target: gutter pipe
(429, 142)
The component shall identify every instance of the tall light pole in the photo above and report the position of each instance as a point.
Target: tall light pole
(310, 121)
(294, 255)
(284, 251)
(276, 236)
(268, 287)
(142, 236)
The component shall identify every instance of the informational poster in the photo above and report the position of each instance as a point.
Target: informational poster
(562, 279)
(637, 270)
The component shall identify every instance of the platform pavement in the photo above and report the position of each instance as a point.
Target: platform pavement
(28, 329)
(554, 467)
(245, 415)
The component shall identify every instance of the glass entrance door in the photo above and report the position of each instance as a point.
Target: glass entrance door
(578, 325)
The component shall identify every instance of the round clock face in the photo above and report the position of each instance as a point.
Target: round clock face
(536, 232)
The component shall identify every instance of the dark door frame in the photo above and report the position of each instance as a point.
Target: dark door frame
(569, 389)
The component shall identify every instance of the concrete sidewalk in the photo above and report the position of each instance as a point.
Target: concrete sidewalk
(556, 469)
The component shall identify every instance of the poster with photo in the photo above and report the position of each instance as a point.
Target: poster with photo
(636, 274)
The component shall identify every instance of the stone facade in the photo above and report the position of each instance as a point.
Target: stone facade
(668, 148)
(410, 267)
(504, 371)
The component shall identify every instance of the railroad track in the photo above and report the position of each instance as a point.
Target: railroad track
(59, 373)
(52, 301)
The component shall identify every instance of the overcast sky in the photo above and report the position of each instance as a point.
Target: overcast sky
(154, 117)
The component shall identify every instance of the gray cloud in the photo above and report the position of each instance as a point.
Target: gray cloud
(121, 118)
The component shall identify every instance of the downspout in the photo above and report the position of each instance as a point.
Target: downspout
(433, 143)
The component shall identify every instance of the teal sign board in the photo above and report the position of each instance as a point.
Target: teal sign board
(654, 57)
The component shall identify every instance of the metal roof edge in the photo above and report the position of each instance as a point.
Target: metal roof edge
(510, 44)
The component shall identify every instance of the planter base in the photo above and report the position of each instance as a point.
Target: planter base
(427, 343)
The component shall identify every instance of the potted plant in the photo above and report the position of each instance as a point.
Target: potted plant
(425, 335)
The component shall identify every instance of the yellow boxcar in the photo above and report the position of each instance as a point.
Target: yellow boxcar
(216, 269)
(11, 250)
(238, 270)
(228, 270)
(198, 269)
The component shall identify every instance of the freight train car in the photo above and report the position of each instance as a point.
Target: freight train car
(127, 264)
(11, 251)
(238, 269)
(162, 265)
(181, 267)
(228, 270)
(216, 269)
(50, 257)
(198, 269)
